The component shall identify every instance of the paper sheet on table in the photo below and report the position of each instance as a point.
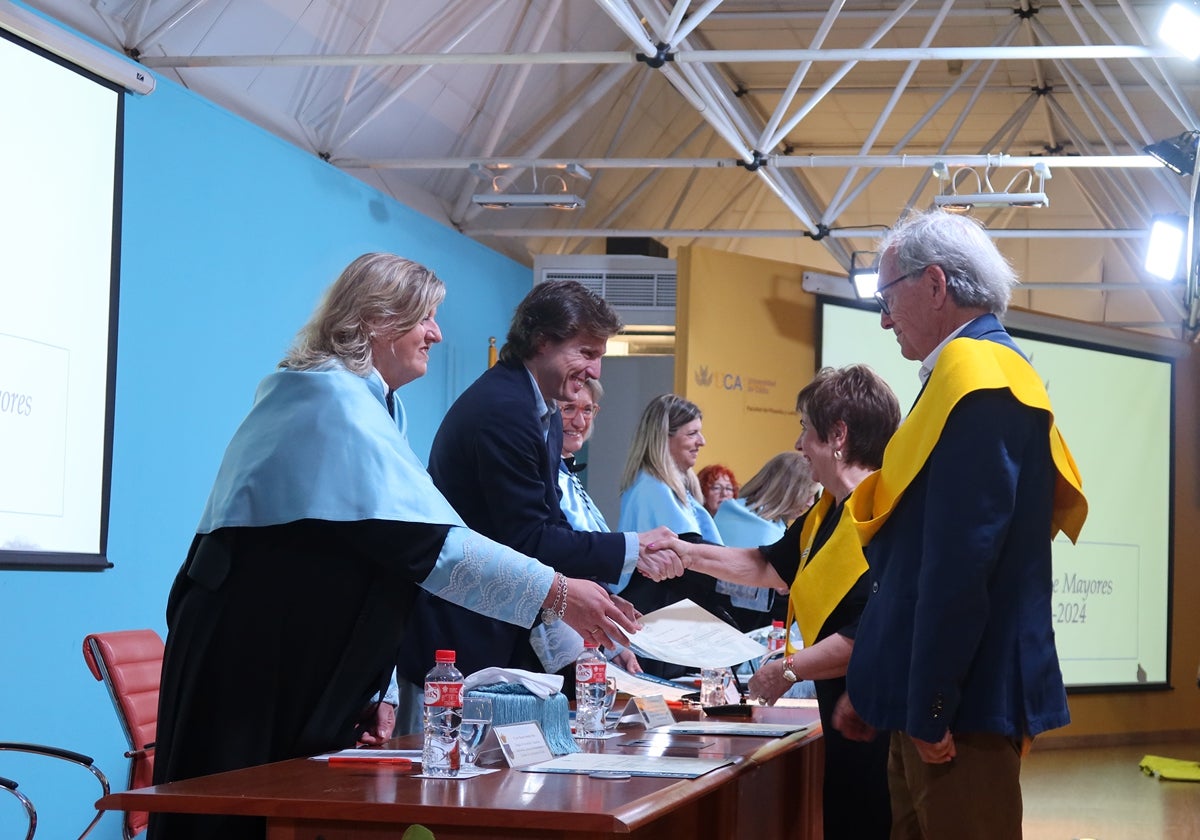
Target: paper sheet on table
(748, 729)
(636, 685)
(687, 634)
(634, 765)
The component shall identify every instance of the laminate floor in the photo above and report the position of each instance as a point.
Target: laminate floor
(1100, 793)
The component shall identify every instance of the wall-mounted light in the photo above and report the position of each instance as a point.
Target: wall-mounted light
(864, 273)
(1180, 29)
(1176, 153)
(1165, 246)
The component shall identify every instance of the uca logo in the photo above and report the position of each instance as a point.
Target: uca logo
(703, 376)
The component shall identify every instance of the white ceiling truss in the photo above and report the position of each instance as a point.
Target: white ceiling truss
(794, 130)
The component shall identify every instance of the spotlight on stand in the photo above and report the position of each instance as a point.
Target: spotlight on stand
(864, 273)
(1180, 29)
(1177, 154)
(1164, 249)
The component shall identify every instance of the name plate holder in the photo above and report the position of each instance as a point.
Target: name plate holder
(523, 744)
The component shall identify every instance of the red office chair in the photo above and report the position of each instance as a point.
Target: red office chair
(130, 664)
(50, 752)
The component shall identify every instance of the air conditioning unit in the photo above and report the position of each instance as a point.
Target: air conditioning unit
(641, 289)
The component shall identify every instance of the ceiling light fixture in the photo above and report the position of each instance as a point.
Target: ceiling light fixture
(503, 200)
(1180, 30)
(864, 273)
(500, 199)
(952, 200)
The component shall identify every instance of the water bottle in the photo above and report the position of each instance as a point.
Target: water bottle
(591, 671)
(443, 712)
(776, 639)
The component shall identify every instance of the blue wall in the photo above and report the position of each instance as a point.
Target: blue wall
(230, 235)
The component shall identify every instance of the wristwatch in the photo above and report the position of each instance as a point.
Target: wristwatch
(788, 673)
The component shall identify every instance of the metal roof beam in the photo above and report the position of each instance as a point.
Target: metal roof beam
(811, 161)
(899, 54)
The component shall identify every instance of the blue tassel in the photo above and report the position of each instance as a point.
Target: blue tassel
(514, 703)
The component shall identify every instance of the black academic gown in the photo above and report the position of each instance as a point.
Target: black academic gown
(277, 638)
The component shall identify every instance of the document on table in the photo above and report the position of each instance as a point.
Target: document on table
(369, 755)
(664, 766)
(687, 634)
(636, 685)
(729, 727)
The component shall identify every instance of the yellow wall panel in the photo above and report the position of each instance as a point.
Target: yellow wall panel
(744, 347)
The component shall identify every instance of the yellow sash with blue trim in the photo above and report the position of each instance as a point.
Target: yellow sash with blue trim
(825, 577)
(965, 365)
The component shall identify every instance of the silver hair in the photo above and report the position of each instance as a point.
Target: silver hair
(977, 274)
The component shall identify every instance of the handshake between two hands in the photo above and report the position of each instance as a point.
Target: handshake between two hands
(659, 554)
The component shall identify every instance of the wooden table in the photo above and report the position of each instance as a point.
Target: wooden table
(762, 796)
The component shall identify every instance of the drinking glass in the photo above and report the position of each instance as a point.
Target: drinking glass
(714, 682)
(476, 721)
(610, 698)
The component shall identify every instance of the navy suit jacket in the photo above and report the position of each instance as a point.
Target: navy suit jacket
(490, 461)
(957, 632)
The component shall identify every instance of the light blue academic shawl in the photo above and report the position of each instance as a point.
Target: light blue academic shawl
(743, 528)
(319, 444)
(649, 503)
(575, 503)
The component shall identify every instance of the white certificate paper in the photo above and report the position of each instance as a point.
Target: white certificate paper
(687, 634)
(664, 766)
(729, 727)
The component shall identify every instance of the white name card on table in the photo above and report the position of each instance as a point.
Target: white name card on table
(654, 710)
(523, 744)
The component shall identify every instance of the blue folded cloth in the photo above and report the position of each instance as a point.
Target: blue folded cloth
(514, 703)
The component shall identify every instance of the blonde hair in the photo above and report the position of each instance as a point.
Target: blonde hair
(377, 294)
(780, 488)
(663, 417)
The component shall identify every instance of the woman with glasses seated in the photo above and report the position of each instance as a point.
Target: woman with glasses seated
(717, 485)
(557, 645)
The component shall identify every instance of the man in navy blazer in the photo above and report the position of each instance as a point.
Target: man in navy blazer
(955, 651)
(495, 458)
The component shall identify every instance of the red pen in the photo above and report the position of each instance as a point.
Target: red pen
(395, 762)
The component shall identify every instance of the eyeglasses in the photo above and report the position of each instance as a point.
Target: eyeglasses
(882, 301)
(722, 488)
(569, 410)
